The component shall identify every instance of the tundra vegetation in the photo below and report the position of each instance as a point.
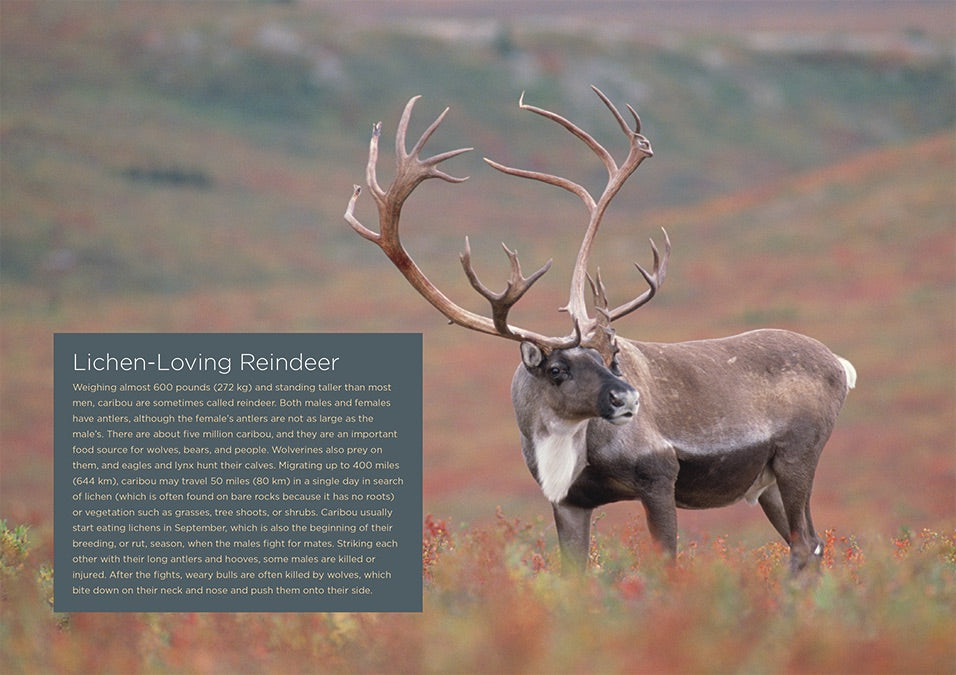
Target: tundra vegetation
(171, 167)
(493, 601)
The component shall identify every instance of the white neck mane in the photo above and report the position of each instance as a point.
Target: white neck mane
(561, 454)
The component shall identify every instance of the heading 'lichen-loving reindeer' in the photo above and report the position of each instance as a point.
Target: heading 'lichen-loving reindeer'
(694, 425)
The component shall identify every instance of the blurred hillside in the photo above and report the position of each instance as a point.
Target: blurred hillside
(185, 166)
(173, 146)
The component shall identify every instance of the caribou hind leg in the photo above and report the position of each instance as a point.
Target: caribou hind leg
(816, 542)
(794, 487)
(772, 505)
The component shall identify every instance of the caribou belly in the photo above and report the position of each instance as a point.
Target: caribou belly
(722, 478)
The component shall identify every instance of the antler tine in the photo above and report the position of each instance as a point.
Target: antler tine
(370, 175)
(604, 337)
(637, 118)
(599, 291)
(548, 178)
(401, 153)
(580, 133)
(354, 222)
(435, 160)
(516, 287)
(410, 169)
(654, 280)
(620, 118)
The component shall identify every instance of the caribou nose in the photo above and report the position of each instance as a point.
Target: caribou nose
(623, 397)
(623, 404)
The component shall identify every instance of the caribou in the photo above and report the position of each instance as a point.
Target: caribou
(691, 425)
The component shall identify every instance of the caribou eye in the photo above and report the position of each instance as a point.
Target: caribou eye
(558, 374)
(616, 367)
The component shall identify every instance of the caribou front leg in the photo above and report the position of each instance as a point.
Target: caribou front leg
(661, 510)
(574, 535)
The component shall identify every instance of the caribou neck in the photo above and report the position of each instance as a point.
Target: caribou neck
(560, 451)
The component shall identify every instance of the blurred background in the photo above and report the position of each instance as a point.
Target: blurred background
(185, 167)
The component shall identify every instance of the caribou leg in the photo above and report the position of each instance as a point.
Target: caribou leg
(574, 535)
(661, 513)
(815, 541)
(772, 504)
(795, 496)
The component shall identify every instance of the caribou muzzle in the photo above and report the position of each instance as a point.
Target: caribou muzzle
(620, 402)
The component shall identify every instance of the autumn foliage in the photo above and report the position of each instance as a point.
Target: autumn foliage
(495, 601)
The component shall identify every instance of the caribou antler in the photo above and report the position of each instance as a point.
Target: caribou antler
(502, 302)
(654, 280)
(410, 171)
(639, 150)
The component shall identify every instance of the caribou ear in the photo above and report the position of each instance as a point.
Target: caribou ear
(531, 355)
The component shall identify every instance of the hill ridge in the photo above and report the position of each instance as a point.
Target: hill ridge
(940, 146)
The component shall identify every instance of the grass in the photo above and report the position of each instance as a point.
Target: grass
(495, 600)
